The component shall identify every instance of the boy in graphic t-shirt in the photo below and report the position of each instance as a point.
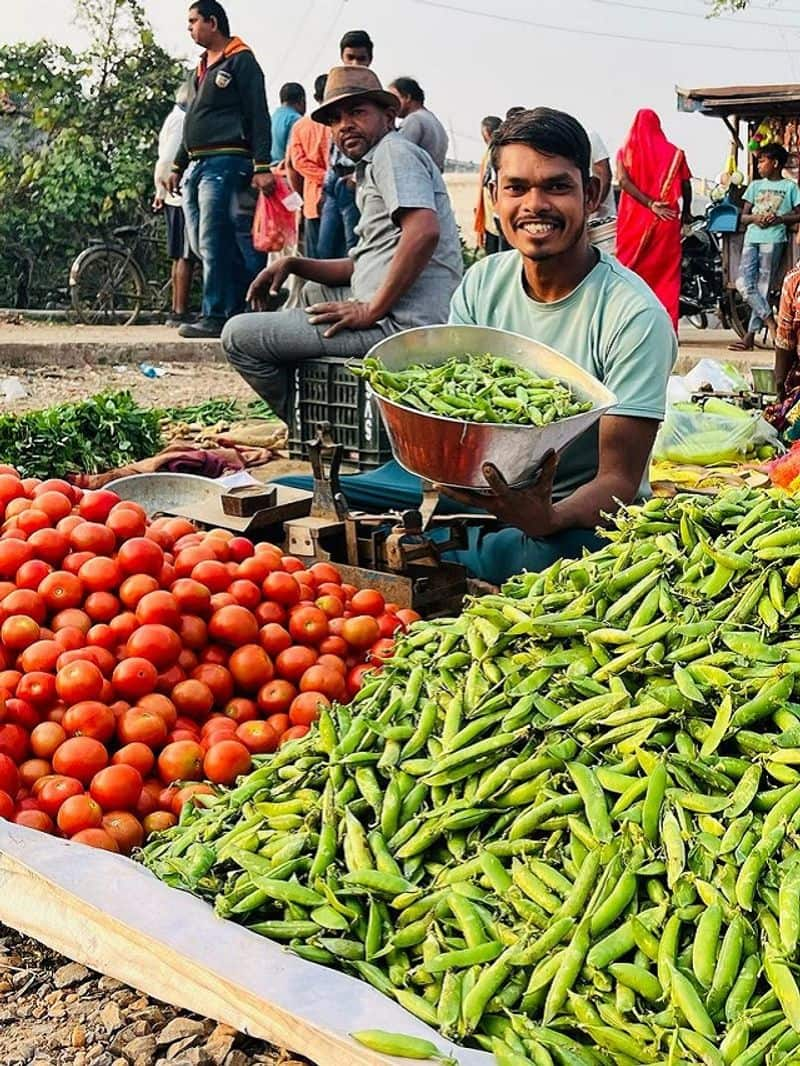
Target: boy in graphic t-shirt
(770, 203)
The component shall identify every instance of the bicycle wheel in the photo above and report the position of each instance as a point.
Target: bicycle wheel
(107, 288)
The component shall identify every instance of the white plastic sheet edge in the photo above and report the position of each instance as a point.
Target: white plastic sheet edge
(284, 999)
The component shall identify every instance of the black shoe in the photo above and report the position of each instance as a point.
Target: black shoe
(175, 319)
(203, 329)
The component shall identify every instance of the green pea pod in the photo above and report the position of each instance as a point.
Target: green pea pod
(594, 801)
(686, 1000)
(726, 969)
(789, 904)
(404, 1047)
(706, 942)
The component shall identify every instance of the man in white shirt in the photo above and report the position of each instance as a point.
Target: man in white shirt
(169, 141)
(602, 224)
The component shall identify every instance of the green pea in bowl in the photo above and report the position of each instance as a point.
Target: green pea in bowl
(451, 451)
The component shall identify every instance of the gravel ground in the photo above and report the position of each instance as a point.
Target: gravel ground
(183, 384)
(57, 1013)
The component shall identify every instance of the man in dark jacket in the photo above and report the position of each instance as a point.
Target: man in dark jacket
(226, 147)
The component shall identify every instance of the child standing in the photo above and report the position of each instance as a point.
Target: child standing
(769, 204)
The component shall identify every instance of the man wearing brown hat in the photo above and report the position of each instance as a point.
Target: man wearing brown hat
(401, 273)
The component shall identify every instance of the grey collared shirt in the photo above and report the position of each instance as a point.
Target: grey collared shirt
(393, 176)
(422, 127)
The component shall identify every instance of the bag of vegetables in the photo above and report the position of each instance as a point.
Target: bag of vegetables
(712, 433)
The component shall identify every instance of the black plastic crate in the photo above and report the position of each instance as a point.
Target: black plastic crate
(324, 390)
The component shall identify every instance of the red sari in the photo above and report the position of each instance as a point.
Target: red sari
(645, 244)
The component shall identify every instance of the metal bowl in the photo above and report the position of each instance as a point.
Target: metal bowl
(452, 452)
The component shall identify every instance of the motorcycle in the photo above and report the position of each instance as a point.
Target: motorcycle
(703, 289)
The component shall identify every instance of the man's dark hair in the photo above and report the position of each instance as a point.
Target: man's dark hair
(292, 93)
(492, 123)
(514, 111)
(549, 132)
(776, 152)
(356, 39)
(409, 87)
(319, 87)
(211, 9)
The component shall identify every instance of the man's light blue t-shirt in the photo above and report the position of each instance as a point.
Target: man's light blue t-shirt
(612, 325)
(283, 118)
(770, 198)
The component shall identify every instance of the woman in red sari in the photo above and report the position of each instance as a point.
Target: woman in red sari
(653, 176)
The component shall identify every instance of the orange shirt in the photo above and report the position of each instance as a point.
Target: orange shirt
(308, 152)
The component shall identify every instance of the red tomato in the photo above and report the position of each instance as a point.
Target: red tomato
(181, 761)
(13, 554)
(213, 574)
(134, 677)
(306, 707)
(54, 791)
(140, 725)
(31, 574)
(32, 770)
(381, 650)
(158, 643)
(54, 504)
(240, 548)
(334, 646)
(127, 523)
(187, 795)
(92, 537)
(218, 679)
(331, 606)
(388, 624)
(368, 601)
(246, 593)
(355, 678)
(24, 601)
(70, 618)
(323, 679)
(45, 739)
(276, 696)
(80, 757)
(158, 821)
(100, 574)
(79, 680)
(138, 755)
(332, 662)
(135, 587)
(35, 820)
(282, 588)
(90, 718)
(233, 625)
(78, 813)
(296, 732)
(160, 608)
(96, 838)
(258, 737)
(325, 572)
(37, 688)
(191, 596)
(193, 698)
(6, 806)
(140, 555)
(116, 788)
(162, 705)
(274, 639)
(242, 710)
(250, 667)
(293, 663)
(225, 761)
(14, 742)
(9, 775)
(21, 713)
(407, 616)
(309, 625)
(292, 565)
(96, 505)
(361, 631)
(102, 606)
(125, 830)
(60, 590)
(19, 632)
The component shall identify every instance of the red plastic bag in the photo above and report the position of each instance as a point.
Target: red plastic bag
(274, 225)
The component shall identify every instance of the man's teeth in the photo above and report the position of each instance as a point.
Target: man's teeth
(539, 228)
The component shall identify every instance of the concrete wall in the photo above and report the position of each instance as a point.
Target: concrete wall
(463, 189)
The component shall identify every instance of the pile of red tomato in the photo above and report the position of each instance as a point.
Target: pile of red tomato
(137, 654)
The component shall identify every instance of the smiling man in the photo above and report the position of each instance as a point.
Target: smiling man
(554, 287)
(401, 273)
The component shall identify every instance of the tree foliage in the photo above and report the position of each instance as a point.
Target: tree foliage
(77, 141)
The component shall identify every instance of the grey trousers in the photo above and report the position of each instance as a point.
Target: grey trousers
(264, 347)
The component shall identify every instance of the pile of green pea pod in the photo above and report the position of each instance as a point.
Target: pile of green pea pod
(476, 388)
(563, 826)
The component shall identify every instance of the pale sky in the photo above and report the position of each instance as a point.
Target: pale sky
(599, 59)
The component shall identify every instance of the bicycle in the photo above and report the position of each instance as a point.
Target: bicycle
(108, 280)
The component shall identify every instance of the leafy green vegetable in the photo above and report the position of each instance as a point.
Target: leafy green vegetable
(104, 432)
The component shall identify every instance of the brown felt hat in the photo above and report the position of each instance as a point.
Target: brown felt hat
(349, 83)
